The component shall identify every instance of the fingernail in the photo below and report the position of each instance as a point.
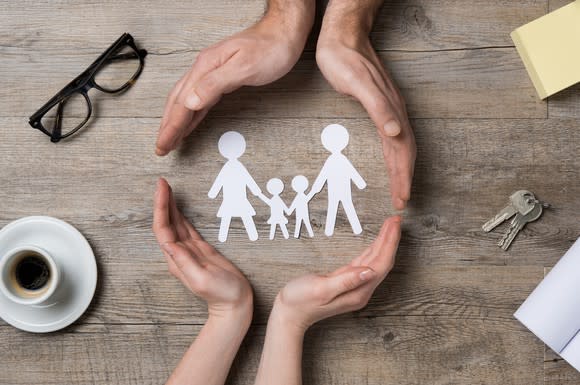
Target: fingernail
(367, 274)
(392, 128)
(165, 246)
(193, 101)
(160, 152)
(400, 204)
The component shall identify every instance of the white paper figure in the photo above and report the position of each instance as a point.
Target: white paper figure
(300, 205)
(337, 173)
(234, 179)
(277, 207)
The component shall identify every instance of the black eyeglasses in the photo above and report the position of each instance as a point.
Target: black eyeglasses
(70, 109)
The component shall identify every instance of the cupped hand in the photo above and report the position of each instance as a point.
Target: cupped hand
(311, 298)
(196, 263)
(353, 68)
(256, 56)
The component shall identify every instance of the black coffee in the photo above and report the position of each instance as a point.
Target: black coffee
(32, 272)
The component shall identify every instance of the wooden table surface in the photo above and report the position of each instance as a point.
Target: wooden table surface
(443, 316)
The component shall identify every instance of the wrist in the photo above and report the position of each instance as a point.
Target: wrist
(238, 316)
(287, 319)
(290, 20)
(348, 22)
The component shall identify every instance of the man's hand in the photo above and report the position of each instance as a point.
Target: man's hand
(311, 298)
(348, 61)
(197, 264)
(256, 56)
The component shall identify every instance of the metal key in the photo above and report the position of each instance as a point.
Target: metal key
(518, 224)
(521, 202)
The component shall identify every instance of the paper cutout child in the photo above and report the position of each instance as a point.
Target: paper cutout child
(337, 173)
(300, 205)
(233, 180)
(277, 207)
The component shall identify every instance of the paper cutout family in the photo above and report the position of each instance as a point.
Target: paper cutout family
(234, 180)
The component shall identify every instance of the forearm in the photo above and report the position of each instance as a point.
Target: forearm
(294, 17)
(210, 356)
(350, 17)
(281, 361)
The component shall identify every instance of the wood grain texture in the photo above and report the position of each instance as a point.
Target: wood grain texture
(476, 84)
(416, 25)
(443, 316)
(405, 350)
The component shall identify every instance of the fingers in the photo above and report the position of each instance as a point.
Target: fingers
(349, 279)
(175, 119)
(379, 260)
(390, 226)
(386, 246)
(171, 99)
(378, 106)
(162, 226)
(399, 160)
(174, 270)
(210, 88)
(195, 121)
(192, 271)
(171, 134)
(178, 120)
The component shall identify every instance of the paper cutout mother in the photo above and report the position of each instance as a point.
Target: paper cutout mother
(338, 172)
(233, 180)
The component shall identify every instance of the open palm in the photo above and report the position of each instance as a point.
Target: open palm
(313, 297)
(199, 266)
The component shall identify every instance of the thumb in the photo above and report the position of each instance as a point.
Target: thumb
(379, 108)
(349, 278)
(183, 259)
(210, 88)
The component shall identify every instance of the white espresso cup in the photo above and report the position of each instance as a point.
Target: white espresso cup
(28, 275)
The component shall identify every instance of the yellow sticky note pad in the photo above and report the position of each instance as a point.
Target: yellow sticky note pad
(550, 49)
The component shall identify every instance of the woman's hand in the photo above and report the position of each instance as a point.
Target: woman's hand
(256, 56)
(197, 264)
(348, 61)
(309, 299)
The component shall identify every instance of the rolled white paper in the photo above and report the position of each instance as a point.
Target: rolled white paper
(552, 311)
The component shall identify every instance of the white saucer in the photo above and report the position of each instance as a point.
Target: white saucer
(71, 251)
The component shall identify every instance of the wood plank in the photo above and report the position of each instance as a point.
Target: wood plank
(103, 182)
(403, 350)
(442, 24)
(458, 163)
(449, 84)
(186, 26)
(147, 294)
(443, 316)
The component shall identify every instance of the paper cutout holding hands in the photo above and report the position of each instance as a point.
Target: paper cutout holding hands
(277, 207)
(233, 180)
(337, 173)
(300, 205)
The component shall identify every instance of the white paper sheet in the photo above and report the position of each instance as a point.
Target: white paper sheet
(552, 311)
